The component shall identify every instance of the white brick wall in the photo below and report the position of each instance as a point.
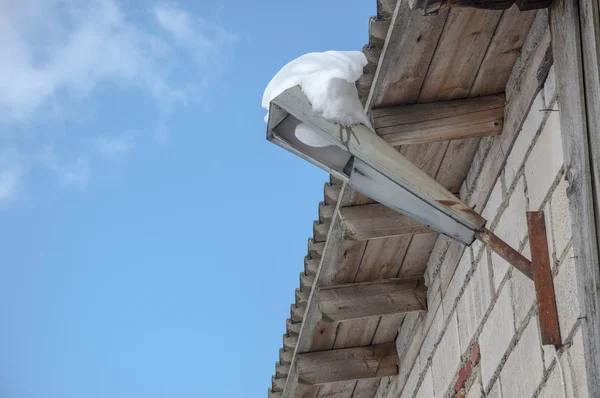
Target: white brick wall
(496, 335)
(544, 161)
(561, 220)
(482, 305)
(446, 359)
(474, 303)
(528, 352)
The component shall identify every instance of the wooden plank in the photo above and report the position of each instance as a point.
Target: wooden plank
(347, 364)
(285, 357)
(430, 6)
(570, 60)
(456, 163)
(590, 27)
(307, 391)
(353, 333)
(440, 121)
(377, 221)
(387, 254)
(399, 77)
(460, 52)
(367, 299)
(281, 370)
(387, 329)
(274, 394)
(417, 255)
(503, 52)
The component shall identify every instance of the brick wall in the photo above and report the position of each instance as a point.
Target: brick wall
(480, 336)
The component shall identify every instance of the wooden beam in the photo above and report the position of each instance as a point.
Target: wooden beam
(361, 300)
(440, 121)
(428, 7)
(377, 221)
(348, 364)
(575, 26)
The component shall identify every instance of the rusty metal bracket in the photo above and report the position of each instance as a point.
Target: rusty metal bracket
(502, 249)
(539, 270)
(542, 278)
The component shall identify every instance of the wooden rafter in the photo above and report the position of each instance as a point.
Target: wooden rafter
(366, 299)
(440, 121)
(377, 221)
(348, 364)
(428, 7)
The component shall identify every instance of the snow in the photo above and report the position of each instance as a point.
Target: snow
(327, 79)
(310, 137)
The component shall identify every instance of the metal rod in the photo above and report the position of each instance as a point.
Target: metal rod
(544, 285)
(502, 249)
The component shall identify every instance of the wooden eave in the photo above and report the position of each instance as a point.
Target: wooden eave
(459, 53)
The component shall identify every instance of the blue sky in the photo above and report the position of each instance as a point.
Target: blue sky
(151, 237)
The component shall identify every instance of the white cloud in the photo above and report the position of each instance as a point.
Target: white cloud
(56, 53)
(10, 180)
(53, 47)
(71, 172)
(42, 61)
(202, 38)
(12, 173)
(114, 145)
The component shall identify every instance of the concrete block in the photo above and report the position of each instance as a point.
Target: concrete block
(550, 92)
(535, 117)
(426, 389)
(446, 360)
(407, 329)
(408, 342)
(553, 387)
(476, 248)
(412, 381)
(451, 260)
(577, 367)
(496, 391)
(512, 227)
(496, 335)
(561, 217)
(516, 158)
(475, 391)
(437, 257)
(383, 388)
(395, 387)
(457, 282)
(565, 290)
(433, 336)
(523, 371)
(493, 204)
(499, 269)
(523, 296)
(549, 233)
(544, 161)
(463, 193)
(483, 151)
(434, 297)
(474, 303)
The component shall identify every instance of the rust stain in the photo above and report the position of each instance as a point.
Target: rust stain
(502, 249)
(544, 285)
(460, 206)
